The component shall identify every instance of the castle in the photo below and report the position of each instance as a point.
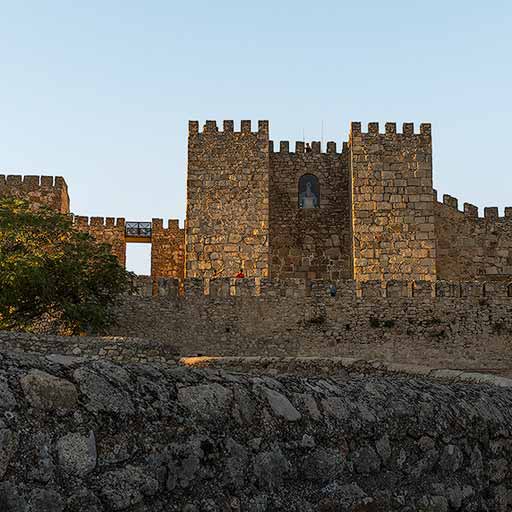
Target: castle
(365, 211)
(369, 398)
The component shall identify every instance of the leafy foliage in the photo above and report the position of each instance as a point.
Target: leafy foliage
(49, 269)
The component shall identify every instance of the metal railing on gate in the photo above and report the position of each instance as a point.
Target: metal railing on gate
(138, 229)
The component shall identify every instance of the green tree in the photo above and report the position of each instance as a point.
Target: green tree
(48, 269)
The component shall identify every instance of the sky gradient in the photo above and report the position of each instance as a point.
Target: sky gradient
(102, 93)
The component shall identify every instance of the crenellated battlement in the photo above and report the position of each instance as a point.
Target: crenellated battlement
(228, 126)
(173, 226)
(31, 182)
(471, 211)
(106, 222)
(319, 289)
(300, 149)
(390, 129)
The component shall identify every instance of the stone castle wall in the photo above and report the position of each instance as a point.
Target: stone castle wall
(311, 243)
(38, 190)
(167, 244)
(167, 250)
(455, 325)
(392, 203)
(227, 201)
(472, 247)
(105, 230)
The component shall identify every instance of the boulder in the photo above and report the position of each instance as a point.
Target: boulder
(77, 454)
(47, 392)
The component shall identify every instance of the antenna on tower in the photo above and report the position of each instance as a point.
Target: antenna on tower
(322, 133)
(303, 136)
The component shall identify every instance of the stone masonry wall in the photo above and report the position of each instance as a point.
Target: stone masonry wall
(167, 250)
(120, 349)
(167, 244)
(312, 243)
(38, 190)
(93, 436)
(106, 230)
(227, 201)
(464, 325)
(472, 247)
(392, 203)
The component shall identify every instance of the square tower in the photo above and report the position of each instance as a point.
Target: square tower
(392, 203)
(227, 201)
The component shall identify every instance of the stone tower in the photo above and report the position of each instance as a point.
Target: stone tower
(227, 226)
(392, 203)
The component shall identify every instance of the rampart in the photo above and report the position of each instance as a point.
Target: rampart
(443, 324)
(90, 436)
(312, 243)
(39, 190)
(470, 246)
(106, 230)
(167, 244)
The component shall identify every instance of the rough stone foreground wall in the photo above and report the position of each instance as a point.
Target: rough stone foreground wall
(312, 243)
(227, 201)
(38, 190)
(98, 437)
(392, 203)
(472, 247)
(167, 250)
(472, 331)
(125, 350)
(106, 230)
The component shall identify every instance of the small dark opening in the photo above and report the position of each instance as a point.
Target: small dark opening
(309, 192)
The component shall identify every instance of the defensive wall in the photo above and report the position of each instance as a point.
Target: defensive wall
(167, 243)
(105, 230)
(91, 436)
(167, 249)
(470, 246)
(444, 324)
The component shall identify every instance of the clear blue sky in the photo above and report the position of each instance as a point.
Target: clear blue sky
(101, 93)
